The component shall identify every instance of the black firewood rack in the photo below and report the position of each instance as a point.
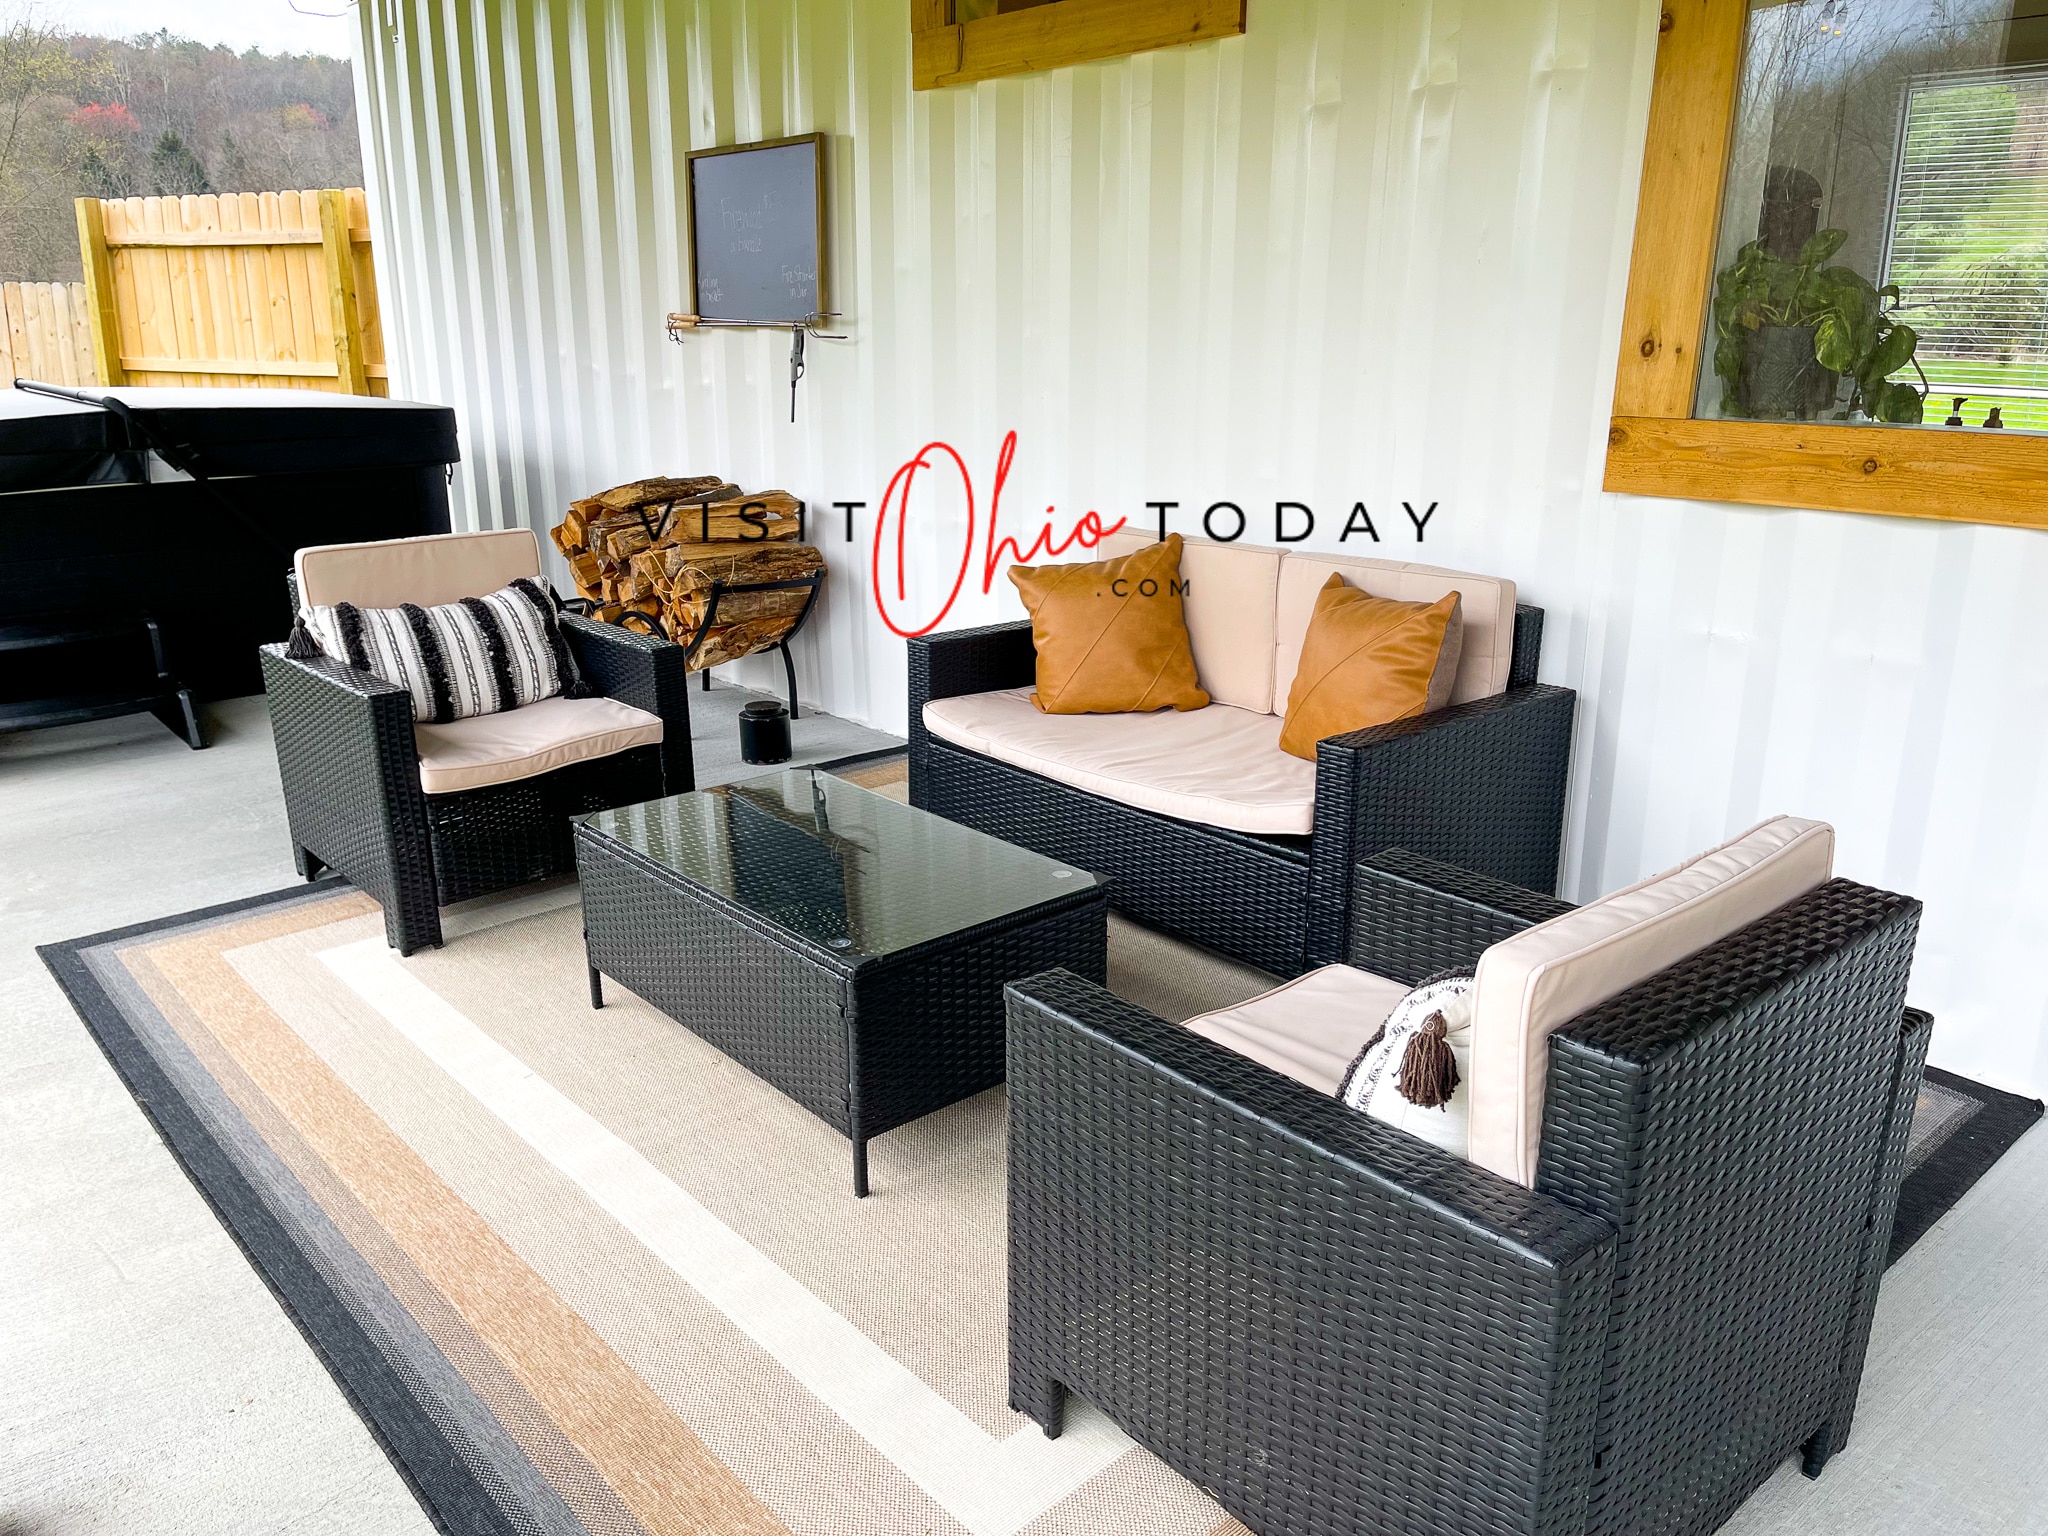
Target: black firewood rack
(724, 589)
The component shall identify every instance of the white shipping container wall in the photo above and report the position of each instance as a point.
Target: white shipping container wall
(1374, 251)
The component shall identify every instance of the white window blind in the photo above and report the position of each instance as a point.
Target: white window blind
(1968, 243)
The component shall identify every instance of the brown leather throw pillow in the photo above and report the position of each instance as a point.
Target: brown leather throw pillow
(1367, 660)
(1111, 636)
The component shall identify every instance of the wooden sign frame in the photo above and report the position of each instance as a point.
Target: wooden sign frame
(1025, 36)
(817, 143)
(1657, 447)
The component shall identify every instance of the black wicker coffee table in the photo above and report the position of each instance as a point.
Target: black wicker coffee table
(846, 948)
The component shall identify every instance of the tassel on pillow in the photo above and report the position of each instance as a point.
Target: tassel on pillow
(1429, 1070)
(302, 646)
(1411, 1074)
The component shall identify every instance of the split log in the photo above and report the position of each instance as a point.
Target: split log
(654, 547)
(640, 493)
(745, 621)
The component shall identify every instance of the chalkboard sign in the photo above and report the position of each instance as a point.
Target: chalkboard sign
(757, 231)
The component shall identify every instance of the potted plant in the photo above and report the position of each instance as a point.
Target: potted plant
(1788, 332)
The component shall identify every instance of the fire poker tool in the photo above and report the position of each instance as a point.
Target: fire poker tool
(796, 366)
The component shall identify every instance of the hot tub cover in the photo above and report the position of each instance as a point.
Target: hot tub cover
(47, 443)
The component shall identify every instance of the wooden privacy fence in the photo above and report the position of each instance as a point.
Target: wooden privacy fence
(47, 334)
(257, 288)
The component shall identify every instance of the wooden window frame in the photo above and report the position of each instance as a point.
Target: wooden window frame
(1030, 35)
(1655, 445)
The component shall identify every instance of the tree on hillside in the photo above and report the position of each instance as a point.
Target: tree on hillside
(174, 170)
(37, 67)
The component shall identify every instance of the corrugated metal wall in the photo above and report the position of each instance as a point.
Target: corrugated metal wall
(1373, 251)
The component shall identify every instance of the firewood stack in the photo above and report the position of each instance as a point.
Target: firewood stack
(655, 547)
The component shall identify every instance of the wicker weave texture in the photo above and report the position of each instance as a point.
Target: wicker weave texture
(1244, 896)
(1206, 1248)
(865, 1045)
(1327, 1324)
(1479, 784)
(352, 796)
(1732, 1118)
(1918, 1029)
(1412, 917)
(755, 994)
(350, 773)
(508, 834)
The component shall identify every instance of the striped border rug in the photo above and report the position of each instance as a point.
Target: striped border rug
(578, 1271)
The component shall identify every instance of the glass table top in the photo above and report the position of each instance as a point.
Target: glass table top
(849, 870)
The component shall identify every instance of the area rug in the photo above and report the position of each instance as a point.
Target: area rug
(1960, 1128)
(580, 1273)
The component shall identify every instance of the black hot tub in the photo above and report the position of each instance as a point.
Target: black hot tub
(99, 533)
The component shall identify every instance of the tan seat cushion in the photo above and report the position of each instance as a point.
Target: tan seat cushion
(1110, 634)
(1369, 661)
(534, 739)
(1312, 1028)
(1220, 766)
(1548, 975)
(1230, 600)
(441, 568)
(1486, 609)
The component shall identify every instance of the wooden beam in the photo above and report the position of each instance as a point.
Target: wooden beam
(251, 367)
(1958, 474)
(212, 237)
(1692, 116)
(1062, 32)
(99, 291)
(341, 293)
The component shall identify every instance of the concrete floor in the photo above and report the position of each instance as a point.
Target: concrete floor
(149, 1383)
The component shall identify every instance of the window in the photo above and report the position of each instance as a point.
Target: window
(1843, 233)
(956, 42)
(1886, 203)
(1968, 241)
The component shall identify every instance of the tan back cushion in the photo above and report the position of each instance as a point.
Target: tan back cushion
(1546, 976)
(1230, 596)
(1110, 635)
(441, 568)
(1486, 603)
(1368, 661)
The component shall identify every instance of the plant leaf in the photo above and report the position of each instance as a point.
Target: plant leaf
(1822, 246)
(1834, 343)
(1892, 353)
(1902, 404)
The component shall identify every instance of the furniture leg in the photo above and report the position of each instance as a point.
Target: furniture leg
(1817, 1452)
(707, 679)
(596, 988)
(789, 668)
(307, 863)
(1043, 1401)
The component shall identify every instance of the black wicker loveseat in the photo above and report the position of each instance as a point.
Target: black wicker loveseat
(1333, 1326)
(350, 765)
(1480, 784)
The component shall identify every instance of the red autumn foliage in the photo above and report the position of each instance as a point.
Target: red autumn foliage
(100, 119)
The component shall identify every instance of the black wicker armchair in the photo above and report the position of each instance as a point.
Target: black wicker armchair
(1335, 1327)
(1480, 785)
(350, 768)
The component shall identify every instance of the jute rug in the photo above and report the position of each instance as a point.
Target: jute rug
(582, 1274)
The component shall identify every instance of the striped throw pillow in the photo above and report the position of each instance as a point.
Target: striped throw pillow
(479, 656)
